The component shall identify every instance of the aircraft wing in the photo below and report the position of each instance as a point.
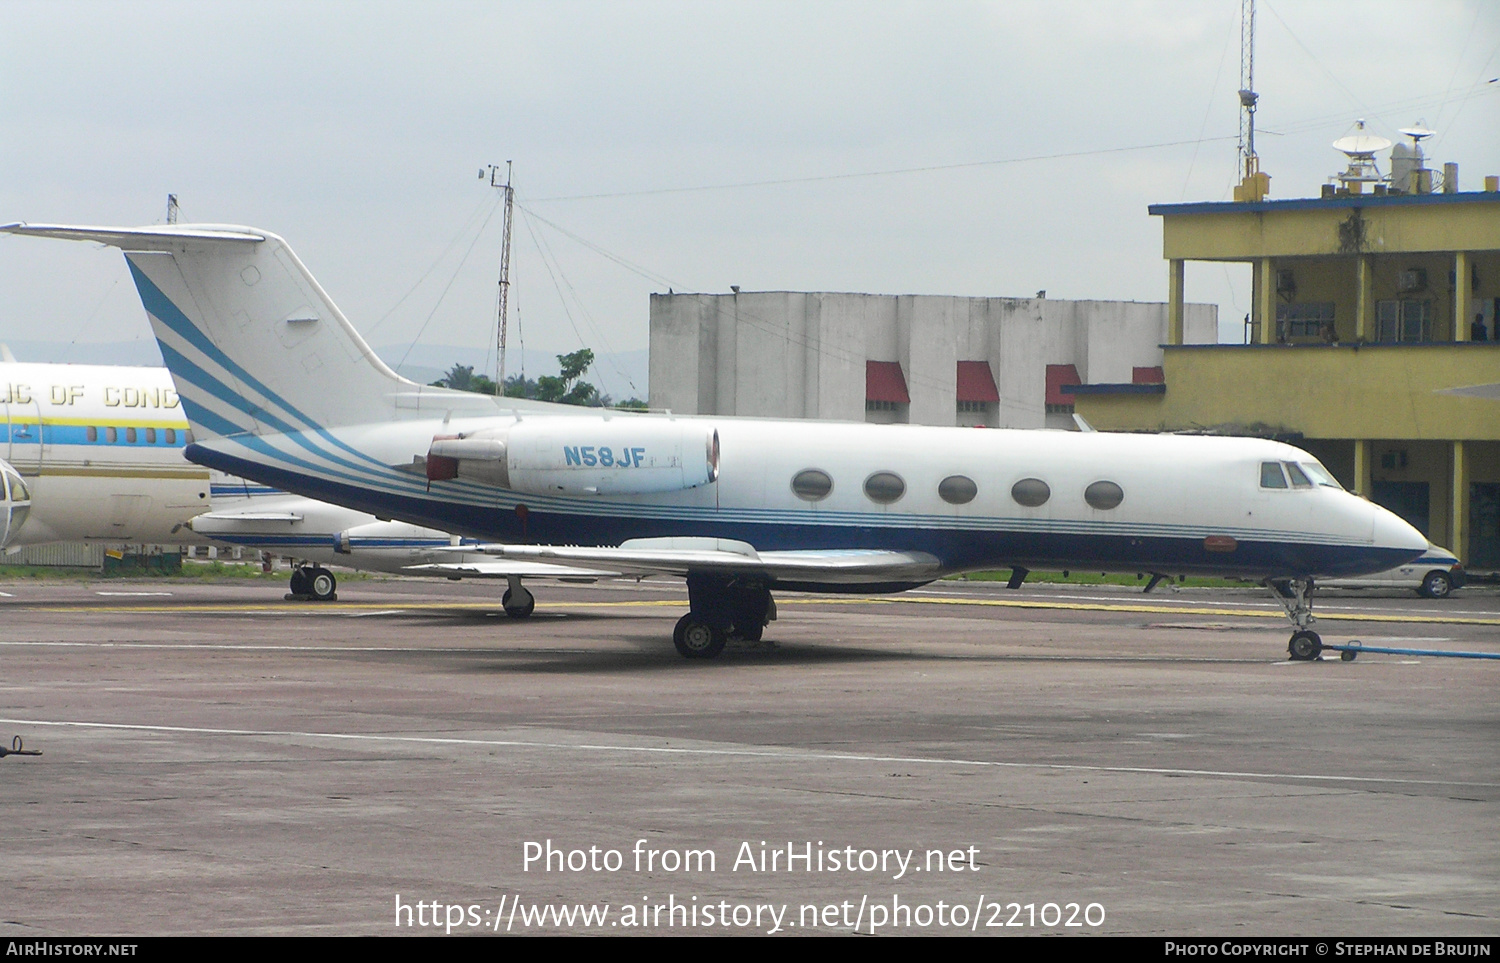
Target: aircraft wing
(506, 567)
(679, 556)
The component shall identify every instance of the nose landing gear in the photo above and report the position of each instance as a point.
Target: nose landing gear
(1295, 596)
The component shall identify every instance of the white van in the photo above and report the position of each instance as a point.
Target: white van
(1436, 574)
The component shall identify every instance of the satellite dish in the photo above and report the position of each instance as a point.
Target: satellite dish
(1418, 133)
(1361, 145)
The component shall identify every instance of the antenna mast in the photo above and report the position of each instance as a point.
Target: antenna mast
(510, 195)
(1254, 185)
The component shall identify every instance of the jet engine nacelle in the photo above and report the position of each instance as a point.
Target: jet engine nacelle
(582, 456)
(15, 502)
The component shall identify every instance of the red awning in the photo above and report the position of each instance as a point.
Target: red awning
(975, 382)
(1057, 376)
(1147, 376)
(884, 382)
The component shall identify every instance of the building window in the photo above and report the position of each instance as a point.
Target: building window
(973, 408)
(872, 405)
(1053, 409)
(1313, 320)
(1403, 321)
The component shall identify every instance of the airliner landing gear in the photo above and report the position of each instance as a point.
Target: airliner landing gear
(1295, 595)
(519, 603)
(722, 607)
(316, 583)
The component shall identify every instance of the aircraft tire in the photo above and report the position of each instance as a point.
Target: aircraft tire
(1305, 646)
(697, 638)
(520, 611)
(299, 582)
(321, 584)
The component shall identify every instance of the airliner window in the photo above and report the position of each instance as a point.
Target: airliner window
(130, 435)
(171, 436)
(812, 485)
(92, 433)
(1299, 480)
(957, 490)
(111, 435)
(150, 436)
(1030, 492)
(885, 487)
(1104, 494)
(189, 436)
(1271, 476)
(18, 492)
(1320, 475)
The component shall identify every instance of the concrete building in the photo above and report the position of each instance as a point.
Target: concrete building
(918, 359)
(1368, 311)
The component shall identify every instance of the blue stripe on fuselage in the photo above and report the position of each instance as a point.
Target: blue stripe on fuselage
(956, 549)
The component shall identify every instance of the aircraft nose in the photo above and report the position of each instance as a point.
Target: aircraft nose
(1391, 531)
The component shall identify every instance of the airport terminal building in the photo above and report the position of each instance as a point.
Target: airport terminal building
(908, 359)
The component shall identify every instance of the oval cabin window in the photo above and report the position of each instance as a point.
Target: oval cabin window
(812, 485)
(884, 487)
(1104, 494)
(1030, 492)
(957, 490)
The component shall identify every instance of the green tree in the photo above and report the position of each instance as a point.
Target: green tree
(565, 388)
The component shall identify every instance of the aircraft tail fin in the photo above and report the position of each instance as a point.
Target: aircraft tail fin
(253, 342)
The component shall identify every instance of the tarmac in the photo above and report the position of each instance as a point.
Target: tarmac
(959, 759)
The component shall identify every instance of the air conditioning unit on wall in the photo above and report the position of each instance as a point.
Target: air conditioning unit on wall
(1414, 279)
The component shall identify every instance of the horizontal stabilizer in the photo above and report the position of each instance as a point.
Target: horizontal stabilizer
(156, 238)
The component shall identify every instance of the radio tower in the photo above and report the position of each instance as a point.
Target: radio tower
(1254, 185)
(504, 267)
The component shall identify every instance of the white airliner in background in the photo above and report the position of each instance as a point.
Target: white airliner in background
(94, 453)
(280, 388)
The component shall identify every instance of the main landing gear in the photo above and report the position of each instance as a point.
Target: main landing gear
(315, 583)
(722, 607)
(1295, 595)
(519, 603)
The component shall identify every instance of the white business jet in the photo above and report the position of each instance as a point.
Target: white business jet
(280, 388)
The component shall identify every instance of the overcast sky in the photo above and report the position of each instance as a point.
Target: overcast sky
(357, 131)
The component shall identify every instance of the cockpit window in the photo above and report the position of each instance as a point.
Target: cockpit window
(1320, 475)
(1271, 476)
(1299, 480)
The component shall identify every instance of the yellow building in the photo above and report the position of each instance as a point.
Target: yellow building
(1369, 312)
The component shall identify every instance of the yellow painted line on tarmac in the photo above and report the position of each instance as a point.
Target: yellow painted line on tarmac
(1169, 610)
(335, 608)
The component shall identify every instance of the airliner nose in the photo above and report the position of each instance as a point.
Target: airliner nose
(1392, 532)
